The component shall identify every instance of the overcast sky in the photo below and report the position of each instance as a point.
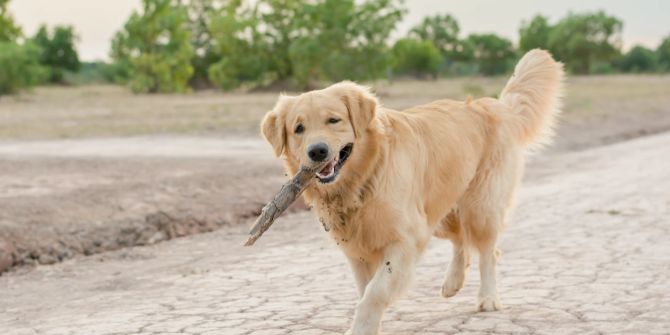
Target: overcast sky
(645, 21)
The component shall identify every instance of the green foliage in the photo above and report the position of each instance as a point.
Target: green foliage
(582, 40)
(442, 31)
(663, 54)
(19, 67)
(492, 54)
(9, 31)
(416, 57)
(239, 46)
(172, 45)
(153, 51)
(92, 73)
(534, 34)
(339, 39)
(638, 59)
(302, 41)
(201, 14)
(58, 52)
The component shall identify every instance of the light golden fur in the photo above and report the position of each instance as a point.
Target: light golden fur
(447, 169)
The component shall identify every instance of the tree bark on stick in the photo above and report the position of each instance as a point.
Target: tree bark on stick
(288, 193)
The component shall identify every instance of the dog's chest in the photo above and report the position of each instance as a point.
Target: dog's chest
(350, 230)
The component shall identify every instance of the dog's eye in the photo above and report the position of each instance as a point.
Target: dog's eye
(333, 120)
(299, 129)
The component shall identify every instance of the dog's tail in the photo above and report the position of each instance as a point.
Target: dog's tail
(534, 96)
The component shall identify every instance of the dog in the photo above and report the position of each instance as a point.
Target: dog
(392, 179)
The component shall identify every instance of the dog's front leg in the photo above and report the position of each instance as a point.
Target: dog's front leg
(362, 274)
(391, 278)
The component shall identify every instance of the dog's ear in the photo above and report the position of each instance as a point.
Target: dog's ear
(360, 102)
(273, 126)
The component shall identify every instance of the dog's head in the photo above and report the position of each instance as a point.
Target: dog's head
(320, 127)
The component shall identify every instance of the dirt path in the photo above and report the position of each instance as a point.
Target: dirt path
(586, 253)
(61, 198)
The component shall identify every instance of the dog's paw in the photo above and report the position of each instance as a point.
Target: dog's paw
(489, 304)
(451, 285)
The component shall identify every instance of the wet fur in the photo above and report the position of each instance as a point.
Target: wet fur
(447, 169)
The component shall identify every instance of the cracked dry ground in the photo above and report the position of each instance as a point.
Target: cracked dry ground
(586, 252)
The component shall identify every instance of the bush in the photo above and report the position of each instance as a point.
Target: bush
(583, 40)
(663, 55)
(92, 73)
(9, 31)
(638, 59)
(58, 53)
(240, 57)
(534, 34)
(493, 54)
(19, 67)
(415, 57)
(153, 51)
(301, 42)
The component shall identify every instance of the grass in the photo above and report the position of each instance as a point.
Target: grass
(111, 111)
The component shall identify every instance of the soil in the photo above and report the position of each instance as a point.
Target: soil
(62, 198)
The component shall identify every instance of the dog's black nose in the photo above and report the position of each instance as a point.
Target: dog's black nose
(317, 152)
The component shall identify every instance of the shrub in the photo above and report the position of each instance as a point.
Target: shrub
(153, 50)
(638, 59)
(493, 54)
(58, 53)
(9, 31)
(415, 57)
(19, 67)
(663, 54)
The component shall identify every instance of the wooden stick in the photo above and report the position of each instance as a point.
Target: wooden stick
(288, 193)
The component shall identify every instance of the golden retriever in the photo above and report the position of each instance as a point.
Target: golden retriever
(394, 179)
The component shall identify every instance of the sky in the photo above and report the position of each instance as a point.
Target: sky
(646, 22)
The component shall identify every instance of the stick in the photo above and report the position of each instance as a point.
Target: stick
(288, 193)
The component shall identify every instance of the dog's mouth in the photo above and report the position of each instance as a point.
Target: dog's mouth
(330, 172)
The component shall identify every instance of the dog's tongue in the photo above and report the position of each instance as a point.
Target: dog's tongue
(327, 170)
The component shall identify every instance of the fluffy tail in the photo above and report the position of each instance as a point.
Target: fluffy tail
(534, 95)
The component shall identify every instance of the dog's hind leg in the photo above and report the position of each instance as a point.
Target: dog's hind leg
(450, 228)
(487, 299)
(482, 226)
(483, 211)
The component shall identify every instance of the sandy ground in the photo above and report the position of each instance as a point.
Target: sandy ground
(65, 197)
(585, 253)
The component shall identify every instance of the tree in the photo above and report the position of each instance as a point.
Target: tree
(492, 54)
(237, 43)
(582, 40)
(57, 51)
(638, 59)
(201, 14)
(153, 50)
(340, 39)
(283, 20)
(9, 31)
(534, 34)
(19, 67)
(663, 54)
(416, 57)
(442, 31)
(302, 41)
